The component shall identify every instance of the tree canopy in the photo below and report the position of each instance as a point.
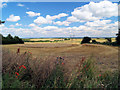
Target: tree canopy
(86, 40)
(11, 40)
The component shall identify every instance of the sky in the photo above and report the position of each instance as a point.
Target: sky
(59, 19)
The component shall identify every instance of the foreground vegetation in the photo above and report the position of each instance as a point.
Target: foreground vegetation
(43, 74)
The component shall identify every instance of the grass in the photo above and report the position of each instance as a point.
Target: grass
(75, 40)
(44, 74)
(106, 56)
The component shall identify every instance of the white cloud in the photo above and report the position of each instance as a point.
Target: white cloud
(92, 14)
(3, 5)
(73, 19)
(49, 19)
(119, 9)
(94, 11)
(33, 14)
(50, 28)
(32, 25)
(21, 5)
(12, 25)
(104, 30)
(2, 25)
(41, 20)
(62, 23)
(17, 24)
(13, 18)
(98, 23)
(3, 0)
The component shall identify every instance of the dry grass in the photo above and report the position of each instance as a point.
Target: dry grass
(103, 40)
(43, 39)
(43, 56)
(106, 56)
(37, 69)
(74, 40)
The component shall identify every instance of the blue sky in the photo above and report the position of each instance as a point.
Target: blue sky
(60, 19)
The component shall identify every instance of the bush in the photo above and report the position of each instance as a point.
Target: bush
(66, 38)
(94, 41)
(109, 39)
(86, 40)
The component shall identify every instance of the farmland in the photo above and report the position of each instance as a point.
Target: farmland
(106, 57)
(64, 63)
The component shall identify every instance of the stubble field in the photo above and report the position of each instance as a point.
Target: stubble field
(106, 57)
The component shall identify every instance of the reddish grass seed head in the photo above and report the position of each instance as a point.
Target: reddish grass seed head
(83, 58)
(17, 73)
(18, 50)
(22, 66)
(99, 75)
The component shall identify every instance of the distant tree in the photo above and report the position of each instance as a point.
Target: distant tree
(18, 40)
(109, 39)
(66, 38)
(1, 36)
(118, 38)
(86, 40)
(94, 41)
(10, 40)
(9, 36)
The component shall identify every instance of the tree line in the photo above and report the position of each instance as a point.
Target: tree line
(109, 40)
(11, 40)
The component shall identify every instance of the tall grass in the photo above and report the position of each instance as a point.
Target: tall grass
(43, 74)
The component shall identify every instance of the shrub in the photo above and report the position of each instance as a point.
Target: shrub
(94, 41)
(66, 38)
(109, 39)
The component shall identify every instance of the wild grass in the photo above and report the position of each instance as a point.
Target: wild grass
(43, 74)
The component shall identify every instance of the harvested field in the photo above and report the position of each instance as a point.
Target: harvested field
(106, 57)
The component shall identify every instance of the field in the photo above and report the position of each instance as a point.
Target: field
(106, 57)
(62, 64)
(52, 39)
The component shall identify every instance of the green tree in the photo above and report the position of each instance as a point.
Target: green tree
(94, 41)
(10, 40)
(9, 36)
(109, 39)
(118, 38)
(86, 40)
